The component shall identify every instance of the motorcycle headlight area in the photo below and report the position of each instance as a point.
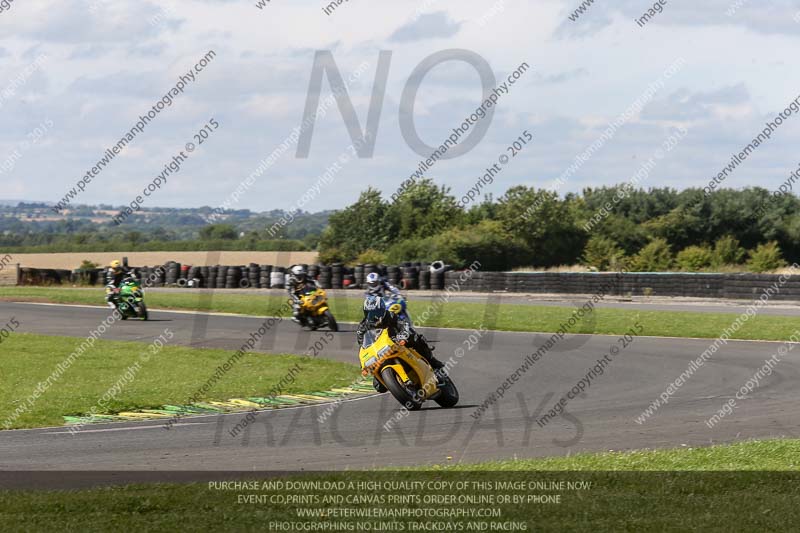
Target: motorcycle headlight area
(369, 362)
(383, 351)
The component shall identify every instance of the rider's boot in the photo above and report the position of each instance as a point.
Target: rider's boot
(426, 351)
(296, 316)
(439, 369)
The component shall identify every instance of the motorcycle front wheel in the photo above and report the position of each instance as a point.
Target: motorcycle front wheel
(399, 390)
(143, 311)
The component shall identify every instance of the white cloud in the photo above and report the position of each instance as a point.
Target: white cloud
(108, 66)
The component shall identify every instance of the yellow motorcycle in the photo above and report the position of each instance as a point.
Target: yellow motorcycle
(314, 310)
(403, 371)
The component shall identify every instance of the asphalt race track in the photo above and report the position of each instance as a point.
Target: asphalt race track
(354, 436)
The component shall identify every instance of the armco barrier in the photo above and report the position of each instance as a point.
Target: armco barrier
(736, 286)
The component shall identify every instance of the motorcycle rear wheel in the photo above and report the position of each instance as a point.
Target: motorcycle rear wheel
(399, 390)
(448, 396)
(331, 321)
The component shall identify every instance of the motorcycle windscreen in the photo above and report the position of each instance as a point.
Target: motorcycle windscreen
(371, 337)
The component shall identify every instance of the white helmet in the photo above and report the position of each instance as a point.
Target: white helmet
(299, 272)
(373, 282)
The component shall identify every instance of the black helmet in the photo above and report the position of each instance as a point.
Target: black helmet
(374, 311)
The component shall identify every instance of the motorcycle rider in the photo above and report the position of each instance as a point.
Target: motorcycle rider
(381, 287)
(377, 315)
(114, 275)
(297, 283)
(378, 286)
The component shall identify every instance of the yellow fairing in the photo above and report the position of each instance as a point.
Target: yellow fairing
(407, 363)
(314, 303)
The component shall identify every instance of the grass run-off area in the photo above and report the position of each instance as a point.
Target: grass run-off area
(740, 487)
(503, 317)
(170, 376)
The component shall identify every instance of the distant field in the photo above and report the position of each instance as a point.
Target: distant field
(73, 260)
(8, 276)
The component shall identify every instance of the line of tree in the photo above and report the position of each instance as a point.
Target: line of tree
(658, 229)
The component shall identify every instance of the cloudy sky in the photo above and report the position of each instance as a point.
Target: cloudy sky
(76, 74)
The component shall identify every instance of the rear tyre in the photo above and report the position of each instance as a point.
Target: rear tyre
(399, 390)
(449, 394)
(331, 321)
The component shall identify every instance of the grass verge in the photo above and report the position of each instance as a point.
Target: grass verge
(756, 455)
(170, 376)
(505, 317)
(673, 490)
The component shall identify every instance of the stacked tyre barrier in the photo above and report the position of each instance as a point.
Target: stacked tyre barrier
(438, 276)
(264, 281)
(337, 279)
(410, 279)
(393, 275)
(324, 277)
(278, 278)
(425, 277)
(359, 276)
(437, 271)
(173, 273)
(210, 280)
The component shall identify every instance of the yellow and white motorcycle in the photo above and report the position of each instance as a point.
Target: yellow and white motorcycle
(403, 371)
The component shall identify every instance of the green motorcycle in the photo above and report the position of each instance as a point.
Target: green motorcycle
(130, 299)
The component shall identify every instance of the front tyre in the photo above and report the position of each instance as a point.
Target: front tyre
(143, 311)
(448, 396)
(399, 390)
(331, 321)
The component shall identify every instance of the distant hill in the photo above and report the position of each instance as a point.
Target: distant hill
(13, 203)
(34, 226)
